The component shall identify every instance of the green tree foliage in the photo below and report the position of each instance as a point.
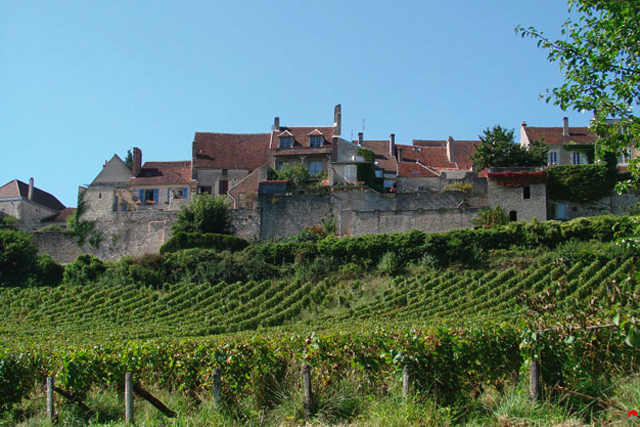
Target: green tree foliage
(220, 242)
(18, 258)
(599, 55)
(296, 174)
(84, 270)
(490, 218)
(8, 221)
(128, 160)
(499, 149)
(206, 214)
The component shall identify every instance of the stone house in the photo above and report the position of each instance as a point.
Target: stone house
(567, 145)
(29, 204)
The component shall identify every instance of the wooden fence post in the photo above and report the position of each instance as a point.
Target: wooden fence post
(217, 385)
(50, 409)
(534, 380)
(308, 393)
(405, 382)
(128, 398)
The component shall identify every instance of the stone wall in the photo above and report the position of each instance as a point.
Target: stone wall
(27, 212)
(282, 215)
(623, 204)
(513, 200)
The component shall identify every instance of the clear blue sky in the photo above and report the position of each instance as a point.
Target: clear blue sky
(82, 80)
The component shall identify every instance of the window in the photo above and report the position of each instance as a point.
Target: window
(378, 173)
(553, 157)
(561, 210)
(205, 190)
(422, 188)
(223, 187)
(579, 158)
(286, 142)
(625, 156)
(177, 193)
(351, 173)
(526, 192)
(148, 196)
(224, 172)
(315, 167)
(316, 141)
(513, 216)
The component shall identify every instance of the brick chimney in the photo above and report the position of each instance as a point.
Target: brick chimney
(392, 144)
(30, 193)
(450, 153)
(337, 120)
(565, 126)
(399, 151)
(137, 161)
(360, 138)
(276, 123)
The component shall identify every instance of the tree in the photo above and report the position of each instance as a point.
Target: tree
(206, 214)
(128, 160)
(599, 54)
(18, 258)
(498, 149)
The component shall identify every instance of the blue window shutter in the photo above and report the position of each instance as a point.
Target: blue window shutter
(141, 196)
(155, 195)
(185, 193)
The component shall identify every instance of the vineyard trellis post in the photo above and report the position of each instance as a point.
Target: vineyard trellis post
(534, 379)
(128, 398)
(406, 379)
(50, 408)
(308, 392)
(217, 385)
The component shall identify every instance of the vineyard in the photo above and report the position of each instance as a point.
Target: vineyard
(459, 329)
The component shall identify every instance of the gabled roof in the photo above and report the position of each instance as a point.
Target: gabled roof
(302, 136)
(381, 150)
(232, 151)
(164, 173)
(427, 158)
(18, 189)
(553, 135)
(61, 216)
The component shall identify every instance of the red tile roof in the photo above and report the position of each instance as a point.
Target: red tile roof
(553, 135)
(17, 188)
(232, 151)
(164, 173)
(427, 158)
(61, 216)
(381, 150)
(302, 151)
(301, 136)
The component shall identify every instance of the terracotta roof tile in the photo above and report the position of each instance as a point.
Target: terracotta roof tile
(432, 155)
(63, 215)
(301, 136)
(553, 135)
(17, 188)
(381, 150)
(413, 169)
(163, 173)
(232, 151)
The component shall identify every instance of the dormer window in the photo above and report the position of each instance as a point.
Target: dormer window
(315, 141)
(286, 142)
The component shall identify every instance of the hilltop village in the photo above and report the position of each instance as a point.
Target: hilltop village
(366, 186)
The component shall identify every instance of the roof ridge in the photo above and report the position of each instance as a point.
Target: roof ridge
(232, 133)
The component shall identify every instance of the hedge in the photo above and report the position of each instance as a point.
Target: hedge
(220, 242)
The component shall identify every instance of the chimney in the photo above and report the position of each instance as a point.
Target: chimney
(30, 194)
(450, 153)
(276, 123)
(524, 124)
(360, 138)
(137, 161)
(399, 149)
(392, 144)
(565, 126)
(337, 120)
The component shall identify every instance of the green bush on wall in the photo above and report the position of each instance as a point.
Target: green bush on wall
(220, 242)
(580, 183)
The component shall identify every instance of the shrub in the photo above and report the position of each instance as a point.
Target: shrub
(18, 258)
(207, 214)
(49, 272)
(389, 264)
(490, 217)
(580, 183)
(215, 241)
(84, 270)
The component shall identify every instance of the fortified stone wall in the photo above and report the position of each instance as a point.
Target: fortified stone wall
(623, 204)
